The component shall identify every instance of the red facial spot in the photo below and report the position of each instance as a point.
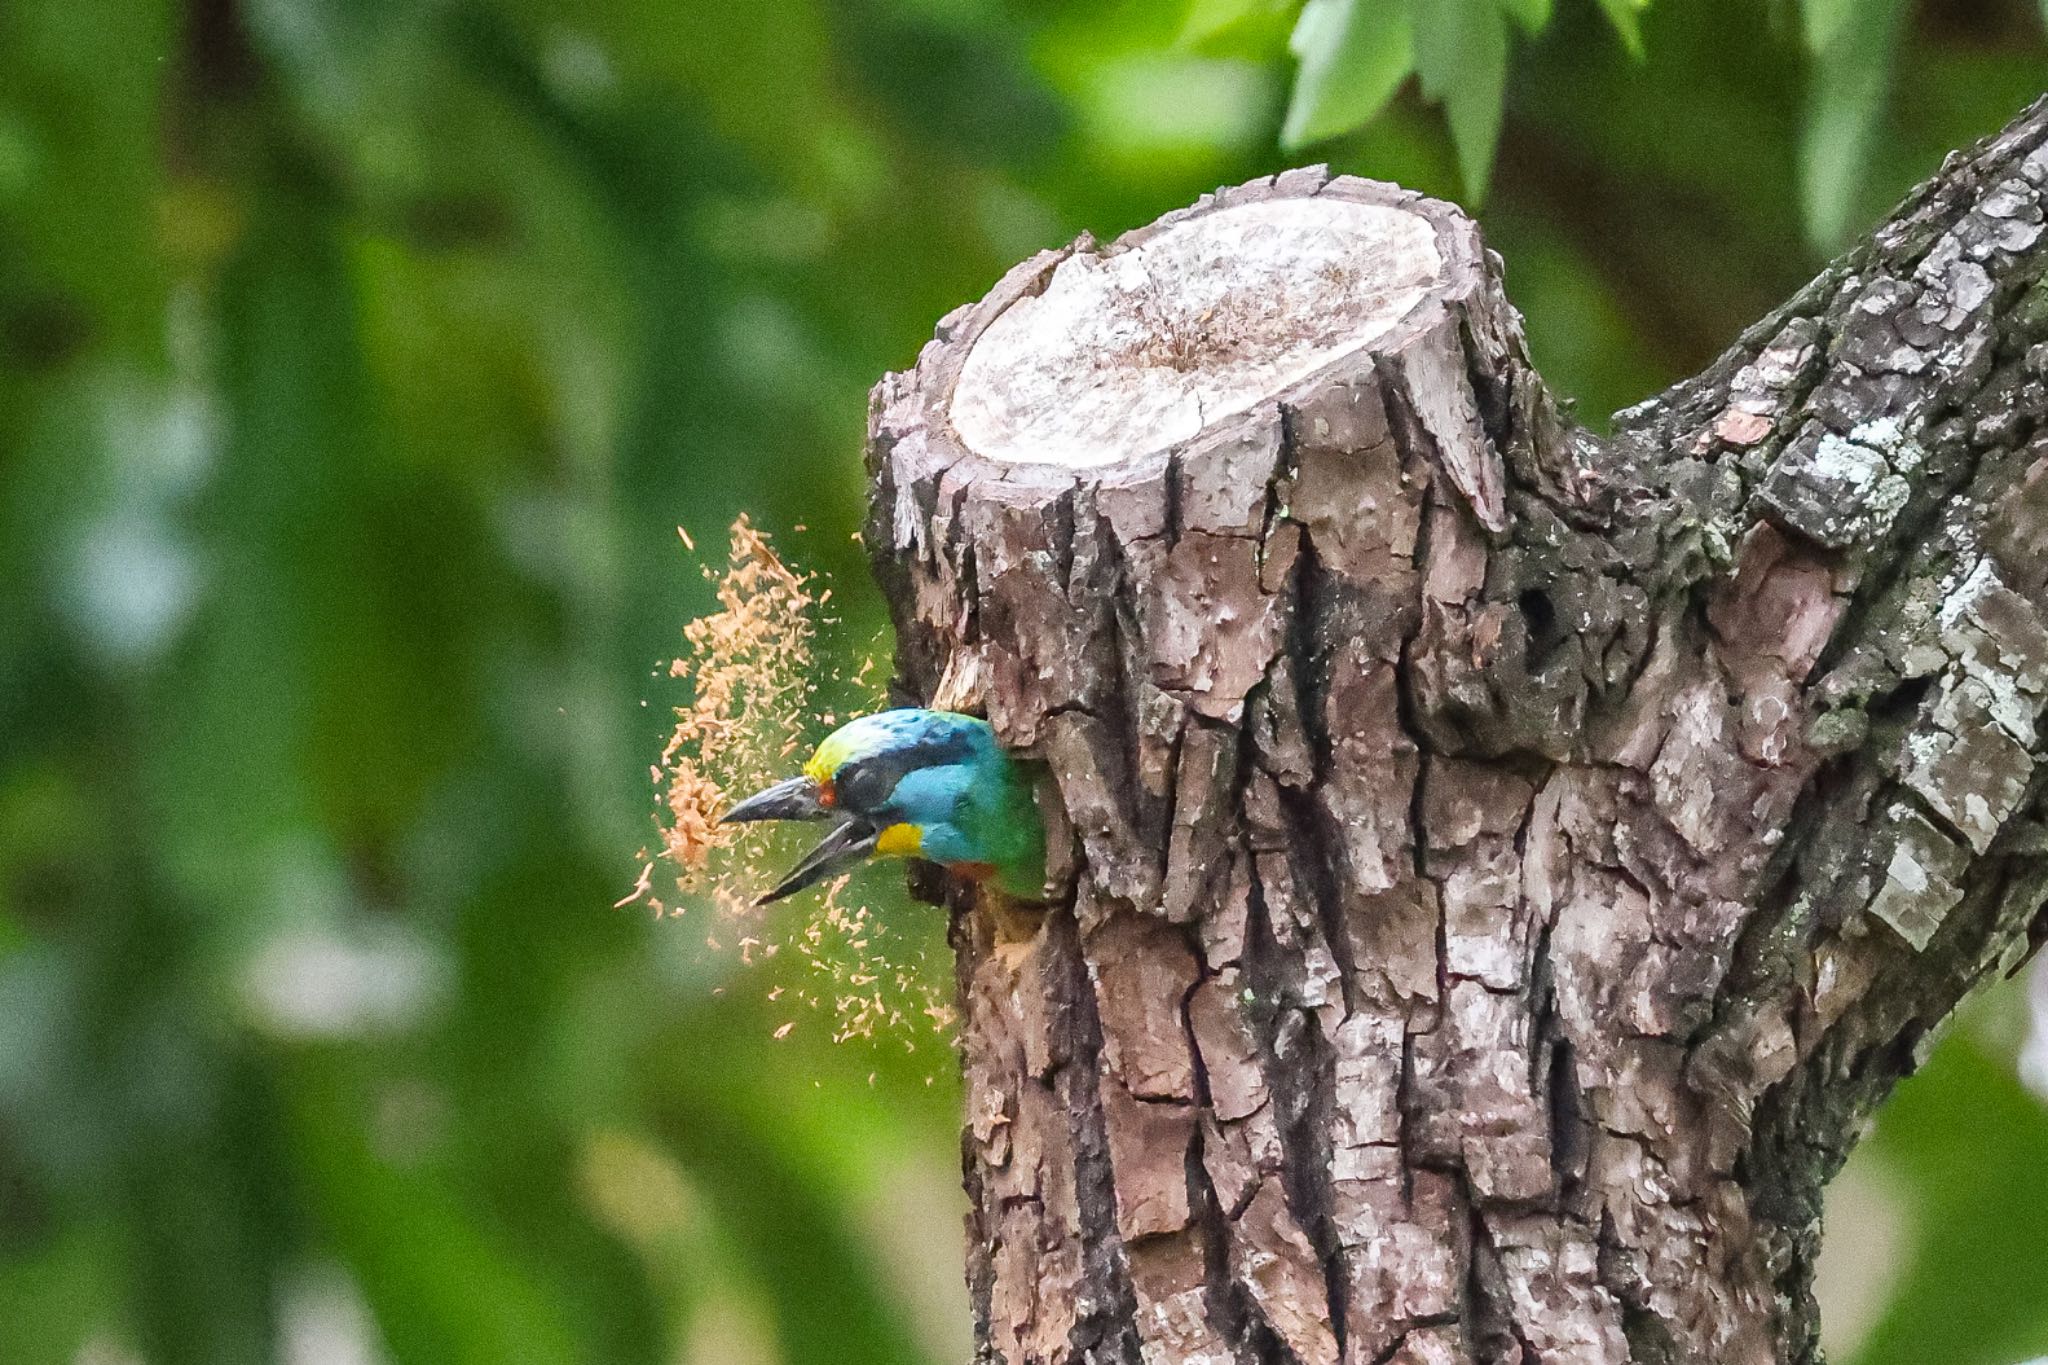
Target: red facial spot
(826, 796)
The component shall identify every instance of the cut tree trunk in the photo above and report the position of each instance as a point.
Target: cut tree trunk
(1497, 868)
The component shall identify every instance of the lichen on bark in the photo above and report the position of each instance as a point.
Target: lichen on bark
(1498, 868)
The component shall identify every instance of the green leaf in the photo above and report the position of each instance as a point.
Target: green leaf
(442, 1280)
(1534, 15)
(1354, 55)
(53, 1292)
(1844, 101)
(1823, 20)
(1969, 1291)
(1208, 19)
(1461, 54)
(775, 1169)
(1623, 15)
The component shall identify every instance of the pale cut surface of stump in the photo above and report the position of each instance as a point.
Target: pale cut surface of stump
(1496, 868)
(1124, 355)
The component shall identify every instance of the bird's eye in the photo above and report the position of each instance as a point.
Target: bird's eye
(862, 786)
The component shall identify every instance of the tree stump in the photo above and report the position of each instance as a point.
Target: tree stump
(1496, 868)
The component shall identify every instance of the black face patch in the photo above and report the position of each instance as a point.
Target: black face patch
(863, 785)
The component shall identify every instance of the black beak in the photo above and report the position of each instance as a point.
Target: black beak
(852, 840)
(848, 844)
(795, 799)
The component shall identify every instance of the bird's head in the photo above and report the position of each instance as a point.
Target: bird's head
(905, 783)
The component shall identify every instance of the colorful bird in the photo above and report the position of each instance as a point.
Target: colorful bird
(912, 783)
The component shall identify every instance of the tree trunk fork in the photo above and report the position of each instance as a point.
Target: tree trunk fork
(1500, 868)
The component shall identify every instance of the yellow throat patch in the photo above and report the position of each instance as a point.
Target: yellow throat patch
(900, 841)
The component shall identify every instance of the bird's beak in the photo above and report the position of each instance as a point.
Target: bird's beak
(794, 799)
(847, 844)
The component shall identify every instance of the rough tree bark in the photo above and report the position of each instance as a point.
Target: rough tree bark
(1499, 868)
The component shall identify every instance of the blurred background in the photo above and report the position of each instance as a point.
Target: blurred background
(358, 362)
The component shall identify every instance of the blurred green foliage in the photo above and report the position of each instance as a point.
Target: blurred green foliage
(1354, 54)
(358, 359)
